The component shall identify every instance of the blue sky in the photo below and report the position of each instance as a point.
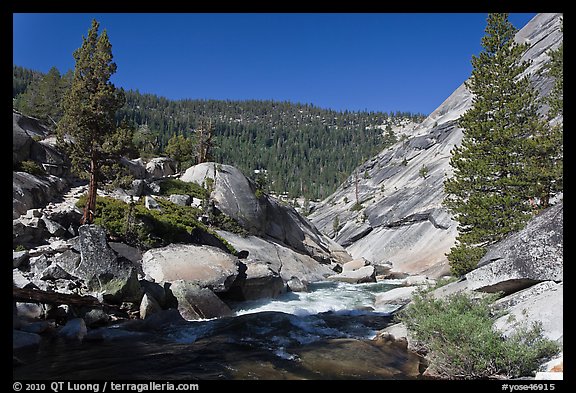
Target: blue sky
(376, 62)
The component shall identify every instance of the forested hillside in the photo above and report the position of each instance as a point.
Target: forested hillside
(302, 149)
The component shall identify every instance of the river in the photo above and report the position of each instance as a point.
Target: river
(326, 333)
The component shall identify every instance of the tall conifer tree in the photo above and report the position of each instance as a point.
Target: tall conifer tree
(491, 188)
(89, 111)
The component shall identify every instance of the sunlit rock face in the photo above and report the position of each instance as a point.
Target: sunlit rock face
(401, 219)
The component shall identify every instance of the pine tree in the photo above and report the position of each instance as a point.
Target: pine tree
(181, 149)
(43, 97)
(205, 145)
(547, 144)
(490, 189)
(89, 108)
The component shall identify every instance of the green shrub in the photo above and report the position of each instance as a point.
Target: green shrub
(32, 167)
(145, 228)
(356, 207)
(464, 258)
(176, 186)
(423, 172)
(461, 342)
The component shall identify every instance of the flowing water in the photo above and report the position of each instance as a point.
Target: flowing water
(325, 333)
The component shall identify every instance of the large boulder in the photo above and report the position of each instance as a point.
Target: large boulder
(52, 160)
(208, 267)
(396, 296)
(236, 196)
(75, 329)
(116, 278)
(543, 305)
(195, 302)
(136, 167)
(160, 167)
(29, 230)
(258, 281)
(525, 257)
(29, 191)
(363, 274)
(24, 129)
(29, 143)
(285, 261)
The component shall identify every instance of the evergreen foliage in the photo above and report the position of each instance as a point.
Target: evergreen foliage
(43, 96)
(136, 225)
(89, 117)
(22, 78)
(306, 150)
(181, 149)
(547, 165)
(498, 166)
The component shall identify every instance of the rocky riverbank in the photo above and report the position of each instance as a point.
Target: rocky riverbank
(527, 269)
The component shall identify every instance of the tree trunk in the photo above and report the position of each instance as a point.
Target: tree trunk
(90, 208)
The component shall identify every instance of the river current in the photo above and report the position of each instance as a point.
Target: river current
(326, 333)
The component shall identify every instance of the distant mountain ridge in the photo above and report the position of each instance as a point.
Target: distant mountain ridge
(303, 149)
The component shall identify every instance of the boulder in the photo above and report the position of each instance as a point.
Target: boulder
(132, 254)
(75, 329)
(383, 268)
(30, 191)
(24, 339)
(354, 265)
(29, 310)
(154, 290)
(530, 255)
(151, 203)
(546, 308)
(450, 289)
(19, 281)
(38, 264)
(160, 167)
(51, 159)
(137, 188)
(95, 317)
(195, 302)
(28, 232)
(235, 195)
(257, 282)
(182, 200)
(288, 263)
(363, 274)
(295, 285)
(54, 272)
(207, 266)
(68, 260)
(148, 306)
(21, 141)
(162, 319)
(516, 298)
(54, 228)
(396, 296)
(19, 258)
(136, 167)
(418, 280)
(103, 272)
(37, 327)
